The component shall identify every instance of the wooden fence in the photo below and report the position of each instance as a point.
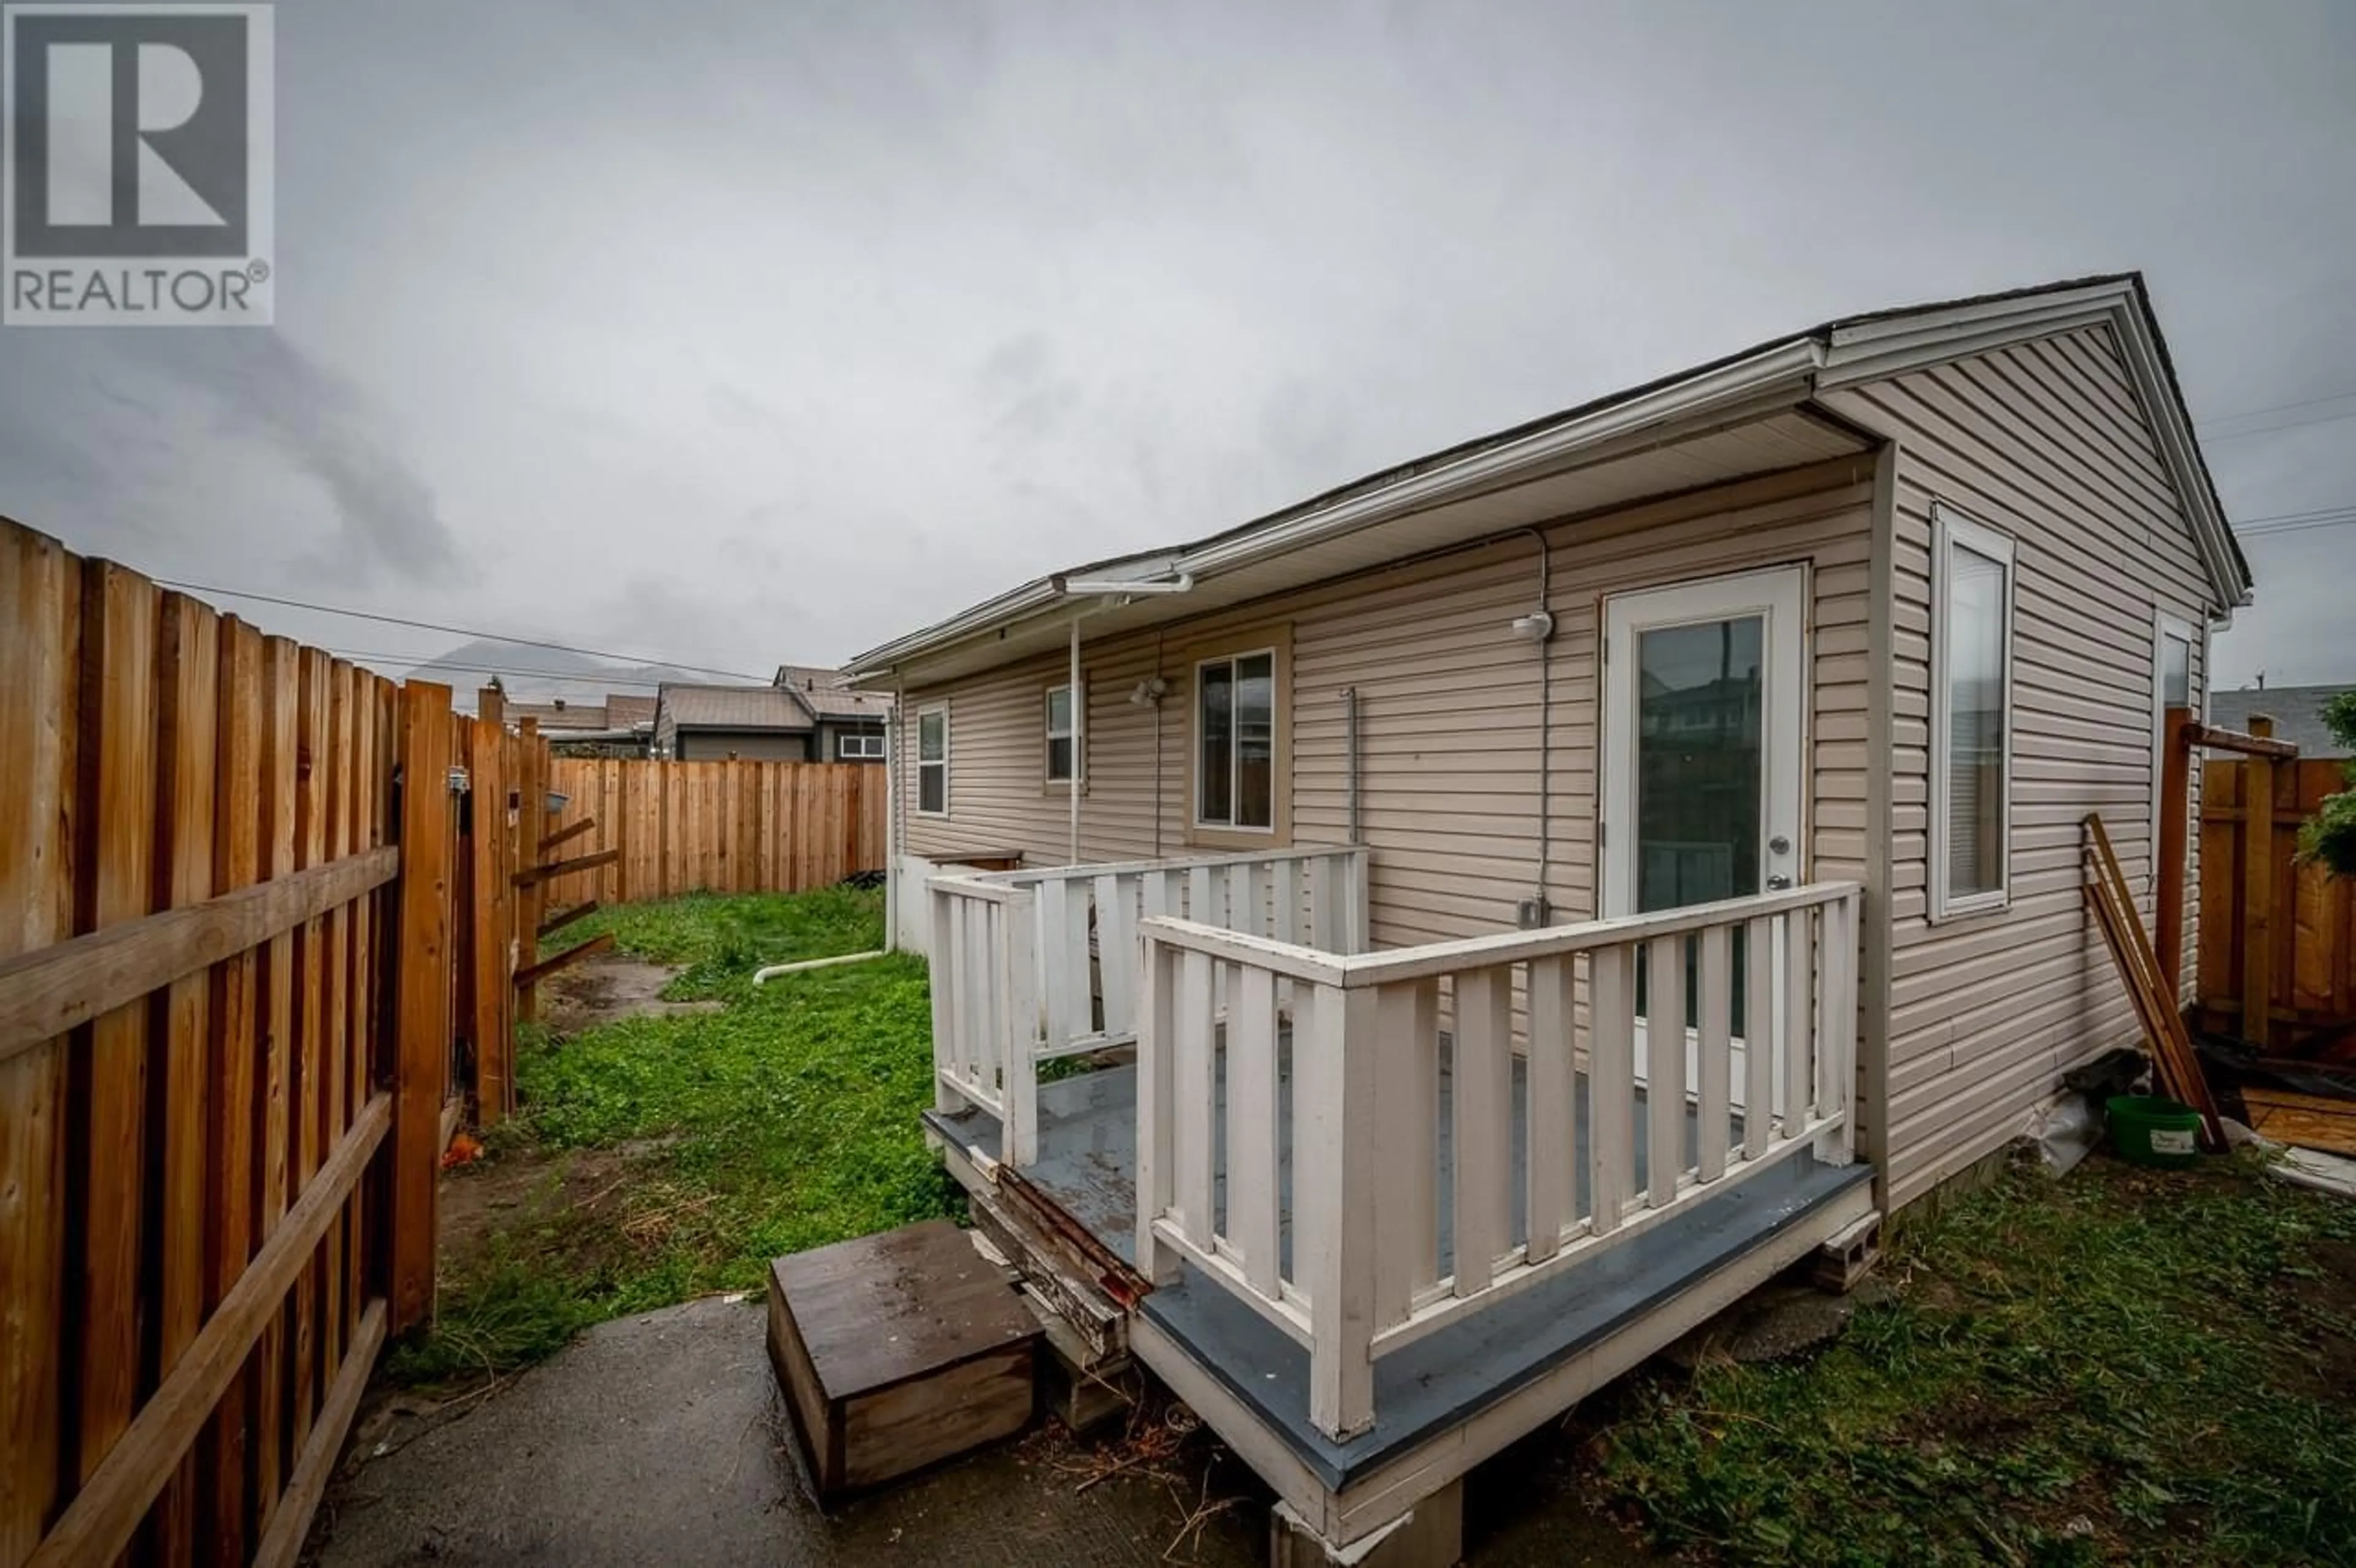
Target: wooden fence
(2270, 926)
(730, 826)
(255, 951)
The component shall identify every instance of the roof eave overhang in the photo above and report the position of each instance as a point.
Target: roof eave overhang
(1873, 351)
(1779, 375)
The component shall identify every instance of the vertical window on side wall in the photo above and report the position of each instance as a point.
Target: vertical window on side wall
(2171, 687)
(1234, 723)
(1971, 733)
(933, 761)
(1060, 764)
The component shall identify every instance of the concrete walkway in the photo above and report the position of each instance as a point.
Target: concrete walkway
(663, 1438)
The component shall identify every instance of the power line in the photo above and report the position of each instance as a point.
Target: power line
(459, 630)
(2281, 424)
(415, 664)
(2298, 528)
(2276, 409)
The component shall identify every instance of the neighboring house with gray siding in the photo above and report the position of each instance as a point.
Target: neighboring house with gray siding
(1866, 618)
(2296, 710)
(746, 723)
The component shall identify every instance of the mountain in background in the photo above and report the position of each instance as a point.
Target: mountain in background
(543, 674)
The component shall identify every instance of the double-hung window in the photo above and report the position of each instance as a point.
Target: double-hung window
(933, 761)
(1971, 728)
(1234, 728)
(1062, 765)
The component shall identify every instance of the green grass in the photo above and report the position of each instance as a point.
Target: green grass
(2125, 1365)
(659, 1159)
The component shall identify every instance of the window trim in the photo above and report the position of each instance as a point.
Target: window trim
(865, 738)
(923, 713)
(1951, 529)
(1048, 737)
(1277, 649)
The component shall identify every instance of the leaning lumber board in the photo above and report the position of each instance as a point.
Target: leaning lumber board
(2139, 969)
(567, 832)
(533, 876)
(557, 922)
(546, 966)
(49, 990)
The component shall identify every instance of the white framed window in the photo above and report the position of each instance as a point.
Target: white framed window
(1235, 741)
(858, 746)
(1061, 767)
(933, 760)
(1970, 719)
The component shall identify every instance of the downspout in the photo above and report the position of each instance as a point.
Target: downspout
(1540, 628)
(1350, 758)
(1079, 737)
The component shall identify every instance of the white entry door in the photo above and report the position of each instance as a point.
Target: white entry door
(1704, 698)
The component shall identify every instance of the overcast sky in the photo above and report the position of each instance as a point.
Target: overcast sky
(739, 333)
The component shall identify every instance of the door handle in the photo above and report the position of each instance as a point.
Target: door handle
(1777, 881)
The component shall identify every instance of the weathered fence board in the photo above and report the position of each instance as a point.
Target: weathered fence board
(723, 826)
(2306, 943)
(216, 1200)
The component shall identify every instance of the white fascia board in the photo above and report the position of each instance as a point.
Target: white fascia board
(1788, 363)
(1875, 350)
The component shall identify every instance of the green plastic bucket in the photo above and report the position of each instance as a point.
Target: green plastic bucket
(2148, 1130)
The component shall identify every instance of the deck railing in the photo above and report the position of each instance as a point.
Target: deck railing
(1300, 1168)
(1032, 965)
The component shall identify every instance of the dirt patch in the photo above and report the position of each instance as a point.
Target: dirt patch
(513, 1193)
(2324, 1321)
(608, 987)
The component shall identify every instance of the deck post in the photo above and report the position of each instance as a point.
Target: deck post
(1018, 1028)
(941, 983)
(1334, 1205)
(1156, 1083)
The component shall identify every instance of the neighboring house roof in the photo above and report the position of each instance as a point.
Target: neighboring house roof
(827, 694)
(628, 712)
(2296, 710)
(1693, 406)
(733, 708)
(560, 714)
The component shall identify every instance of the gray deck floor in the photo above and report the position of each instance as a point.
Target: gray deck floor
(1088, 1160)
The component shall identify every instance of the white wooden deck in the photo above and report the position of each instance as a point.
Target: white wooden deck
(1396, 1208)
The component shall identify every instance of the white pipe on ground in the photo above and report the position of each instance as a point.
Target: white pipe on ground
(761, 975)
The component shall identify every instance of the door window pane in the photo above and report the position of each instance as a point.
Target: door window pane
(1256, 742)
(1698, 762)
(2175, 672)
(1217, 718)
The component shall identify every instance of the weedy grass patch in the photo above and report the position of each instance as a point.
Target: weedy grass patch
(2124, 1366)
(657, 1158)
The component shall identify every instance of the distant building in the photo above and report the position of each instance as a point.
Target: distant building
(806, 715)
(2296, 710)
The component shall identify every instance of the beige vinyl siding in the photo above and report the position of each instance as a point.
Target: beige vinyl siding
(2046, 443)
(1448, 703)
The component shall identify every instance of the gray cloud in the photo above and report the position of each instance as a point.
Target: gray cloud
(827, 320)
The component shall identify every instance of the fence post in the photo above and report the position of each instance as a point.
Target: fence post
(2174, 837)
(2257, 889)
(421, 1046)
